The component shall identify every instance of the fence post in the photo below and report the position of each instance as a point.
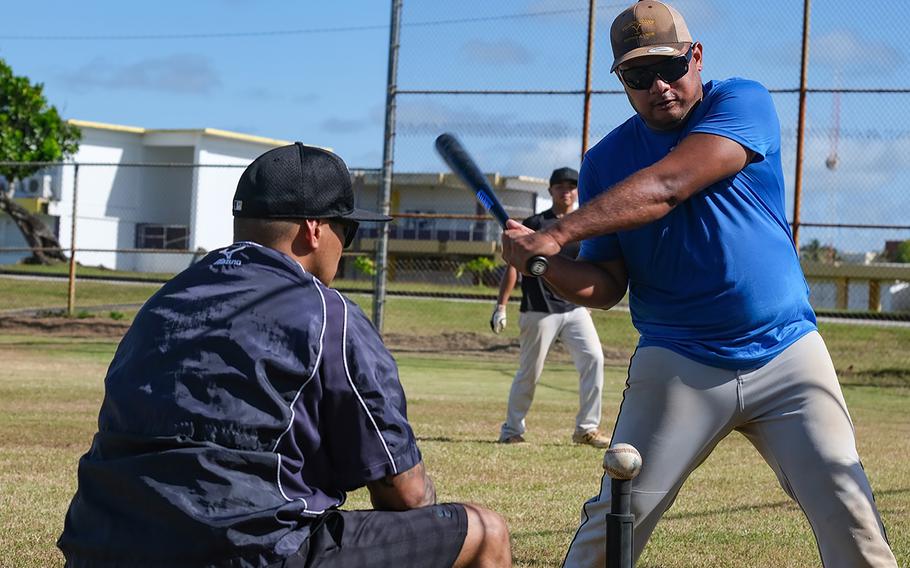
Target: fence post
(388, 151)
(842, 301)
(586, 120)
(71, 293)
(801, 126)
(875, 296)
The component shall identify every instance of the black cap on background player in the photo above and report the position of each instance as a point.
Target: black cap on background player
(560, 175)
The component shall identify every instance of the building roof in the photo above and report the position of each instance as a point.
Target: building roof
(448, 179)
(214, 132)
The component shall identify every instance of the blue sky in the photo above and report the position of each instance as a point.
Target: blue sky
(315, 71)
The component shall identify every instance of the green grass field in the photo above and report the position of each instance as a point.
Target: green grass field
(730, 513)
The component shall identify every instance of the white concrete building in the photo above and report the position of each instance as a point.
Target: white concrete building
(129, 207)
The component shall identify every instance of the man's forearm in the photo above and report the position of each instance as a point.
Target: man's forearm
(697, 162)
(638, 200)
(429, 494)
(585, 283)
(506, 285)
(409, 489)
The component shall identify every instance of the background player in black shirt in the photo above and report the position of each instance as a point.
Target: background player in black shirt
(545, 317)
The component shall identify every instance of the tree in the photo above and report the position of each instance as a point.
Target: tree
(365, 265)
(814, 251)
(31, 130)
(902, 252)
(481, 269)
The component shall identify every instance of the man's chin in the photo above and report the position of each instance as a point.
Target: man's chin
(666, 120)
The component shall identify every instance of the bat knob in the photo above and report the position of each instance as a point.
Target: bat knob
(537, 265)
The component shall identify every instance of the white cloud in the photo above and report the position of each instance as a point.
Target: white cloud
(864, 163)
(344, 125)
(499, 52)
(841, 51)
(425, 117)
(540, 157)
(179, 73)
(576, 10)
(305, 98)
(844, 49)
(866, 187)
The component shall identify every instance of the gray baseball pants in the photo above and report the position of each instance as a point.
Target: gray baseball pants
(538, 331)
(675, 411)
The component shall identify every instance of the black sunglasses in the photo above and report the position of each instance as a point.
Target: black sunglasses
(669, 70)
(350, 229)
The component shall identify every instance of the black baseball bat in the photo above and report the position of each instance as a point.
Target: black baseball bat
(461, 163)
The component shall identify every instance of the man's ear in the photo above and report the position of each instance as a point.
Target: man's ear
(307, 238)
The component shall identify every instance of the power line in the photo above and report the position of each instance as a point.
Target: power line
(296, 32)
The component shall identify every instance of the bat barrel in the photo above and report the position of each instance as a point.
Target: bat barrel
(461, 163)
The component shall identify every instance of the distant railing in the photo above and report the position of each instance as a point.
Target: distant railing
(842, 274)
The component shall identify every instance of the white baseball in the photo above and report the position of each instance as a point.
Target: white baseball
(622, 461)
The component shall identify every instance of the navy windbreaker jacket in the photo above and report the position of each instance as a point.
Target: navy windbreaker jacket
(245, 400)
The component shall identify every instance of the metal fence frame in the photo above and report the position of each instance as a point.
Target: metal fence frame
(393, 92)
(381, 251)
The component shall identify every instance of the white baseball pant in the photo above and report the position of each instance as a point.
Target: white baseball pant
(538, 332)
(675, 411)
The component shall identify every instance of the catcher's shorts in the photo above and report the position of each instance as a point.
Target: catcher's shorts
(675, 411)
(429, 537)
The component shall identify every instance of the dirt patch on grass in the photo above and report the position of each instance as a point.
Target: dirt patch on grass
(885, 377)
(451, 342)
(482, 344)
(59, 326)
(447, 343)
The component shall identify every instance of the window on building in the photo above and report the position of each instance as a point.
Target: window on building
(150, 236)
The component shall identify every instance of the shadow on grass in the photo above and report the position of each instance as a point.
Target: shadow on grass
(449, 440)
(888, 377)
(522, 561)
(495, 442)
(762, 506)
(726, 510)
(555, 388)
(68, 343)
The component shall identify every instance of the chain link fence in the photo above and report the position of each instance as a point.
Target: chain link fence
(850, 212)
(144, 222)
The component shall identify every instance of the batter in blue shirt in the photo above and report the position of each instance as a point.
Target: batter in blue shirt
(683, 206)
(717, 279)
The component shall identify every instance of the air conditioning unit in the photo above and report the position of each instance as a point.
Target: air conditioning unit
(38, 185)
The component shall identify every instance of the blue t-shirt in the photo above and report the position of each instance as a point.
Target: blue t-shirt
(245, 400)
(717, 279)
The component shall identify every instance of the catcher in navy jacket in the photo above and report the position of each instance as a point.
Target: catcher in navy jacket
(248, 397)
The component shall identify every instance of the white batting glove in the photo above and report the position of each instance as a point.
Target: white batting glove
(498, 319)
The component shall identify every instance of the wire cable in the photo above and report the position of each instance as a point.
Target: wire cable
(298, 32)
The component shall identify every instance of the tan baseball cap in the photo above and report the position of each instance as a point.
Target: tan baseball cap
(648, 28)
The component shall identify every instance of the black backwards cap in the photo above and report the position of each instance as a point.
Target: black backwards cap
(298, 182)
(563, 174)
